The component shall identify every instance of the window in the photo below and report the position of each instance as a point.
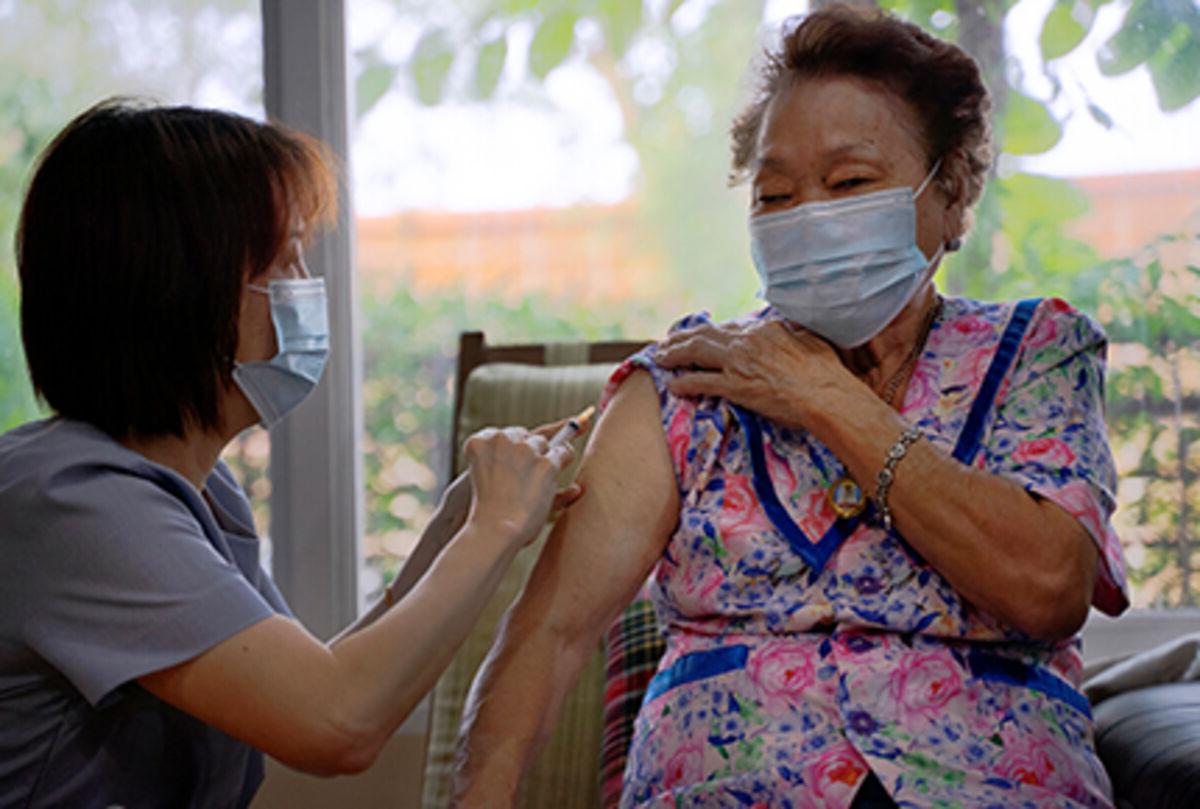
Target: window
(56, 59)
(557, 170)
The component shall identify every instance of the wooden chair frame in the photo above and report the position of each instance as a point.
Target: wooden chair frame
(474, 350)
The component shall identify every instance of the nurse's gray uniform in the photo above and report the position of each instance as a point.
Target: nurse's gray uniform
(114, 567)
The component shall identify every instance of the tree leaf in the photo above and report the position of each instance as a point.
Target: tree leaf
(621, 19)
(1175, 68)
(1181, 321)
(1029, 128)
(1065, 27)
(1144, 27)
(552, 42)
(430, 65)
(372, 84)
(489, 64)
(1154, 273)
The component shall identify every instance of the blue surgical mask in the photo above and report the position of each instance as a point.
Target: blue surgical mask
(843, 268)
(298, 312)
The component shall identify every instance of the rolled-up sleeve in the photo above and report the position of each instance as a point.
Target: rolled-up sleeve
(1050, 436)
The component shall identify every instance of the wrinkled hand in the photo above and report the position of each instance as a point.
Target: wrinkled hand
(765, 366)
(514, 474)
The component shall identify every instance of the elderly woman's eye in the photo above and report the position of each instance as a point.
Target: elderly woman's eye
(850, 182)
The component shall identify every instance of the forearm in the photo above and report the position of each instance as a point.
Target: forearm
(447, 520)
(1023, 560)
(386, 668)
(598, 556)
(513, 707)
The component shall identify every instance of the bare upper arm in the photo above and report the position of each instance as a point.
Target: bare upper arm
(605, 545)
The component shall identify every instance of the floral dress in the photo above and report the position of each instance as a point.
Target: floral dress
(805, 650)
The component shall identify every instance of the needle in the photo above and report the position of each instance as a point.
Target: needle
(574, 426)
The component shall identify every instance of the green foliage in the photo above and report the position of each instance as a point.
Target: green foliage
(372, 84)
(1175, 68)
(489, 64)
(621, 20)
(552, 42)
(1065, 27)
(1151, 303)
(17, 404)
(407, 394)
(431, 63)
(1028, 126)
(58, 57)
(1164, 35)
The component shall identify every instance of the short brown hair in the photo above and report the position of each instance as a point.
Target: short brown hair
(939, 80)
(139, 230)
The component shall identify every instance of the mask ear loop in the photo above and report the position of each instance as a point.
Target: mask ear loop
(944, 247)
(928, 178)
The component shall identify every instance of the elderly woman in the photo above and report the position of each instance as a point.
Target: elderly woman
(876, 516)
(145, 657)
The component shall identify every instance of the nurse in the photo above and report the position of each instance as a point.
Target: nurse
(146, 659)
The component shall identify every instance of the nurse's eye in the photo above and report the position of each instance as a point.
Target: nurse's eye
(772, 199)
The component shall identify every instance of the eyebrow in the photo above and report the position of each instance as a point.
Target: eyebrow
(854, 149)
(863, 148)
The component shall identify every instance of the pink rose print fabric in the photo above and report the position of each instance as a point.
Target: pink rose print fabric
(786, 683)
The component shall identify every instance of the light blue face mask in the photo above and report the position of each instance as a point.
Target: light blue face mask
(301, 323)
(843, 268)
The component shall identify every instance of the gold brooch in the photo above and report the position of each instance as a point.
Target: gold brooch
(846, 498)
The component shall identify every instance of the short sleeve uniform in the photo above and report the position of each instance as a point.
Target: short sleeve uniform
(806, 649)
(116, 567)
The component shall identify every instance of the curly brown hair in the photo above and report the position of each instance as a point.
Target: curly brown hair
(939, 80)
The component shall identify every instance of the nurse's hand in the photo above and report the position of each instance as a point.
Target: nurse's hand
(765, 366)
(514, 474)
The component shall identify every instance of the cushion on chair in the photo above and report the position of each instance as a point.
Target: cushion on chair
(1149, 741)
(566, 774)
(633, 647)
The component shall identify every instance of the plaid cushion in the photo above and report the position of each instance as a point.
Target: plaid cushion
(633, 647)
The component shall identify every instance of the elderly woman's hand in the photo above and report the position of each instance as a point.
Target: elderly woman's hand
(768, 366)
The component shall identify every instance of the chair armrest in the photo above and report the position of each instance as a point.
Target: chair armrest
(1149, 741)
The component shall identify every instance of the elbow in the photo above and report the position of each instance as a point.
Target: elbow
(332, 747)
(353, 756)
(1055, 612)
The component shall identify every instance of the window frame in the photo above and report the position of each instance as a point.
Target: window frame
(317, 499)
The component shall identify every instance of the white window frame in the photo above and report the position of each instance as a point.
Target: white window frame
(316, 454)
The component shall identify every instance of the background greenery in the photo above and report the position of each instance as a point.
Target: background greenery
(674, 110)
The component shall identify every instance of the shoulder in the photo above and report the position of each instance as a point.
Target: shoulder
(40, 454)
(1057, 322)
(1052, 322)
(62, 479)
(703, 318)
(644, 360)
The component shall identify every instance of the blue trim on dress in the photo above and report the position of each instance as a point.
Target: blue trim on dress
(816, 554)
(994, 667)
(697, 666)
(972, 431)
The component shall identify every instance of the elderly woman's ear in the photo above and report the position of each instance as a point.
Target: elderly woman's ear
(953, 180)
